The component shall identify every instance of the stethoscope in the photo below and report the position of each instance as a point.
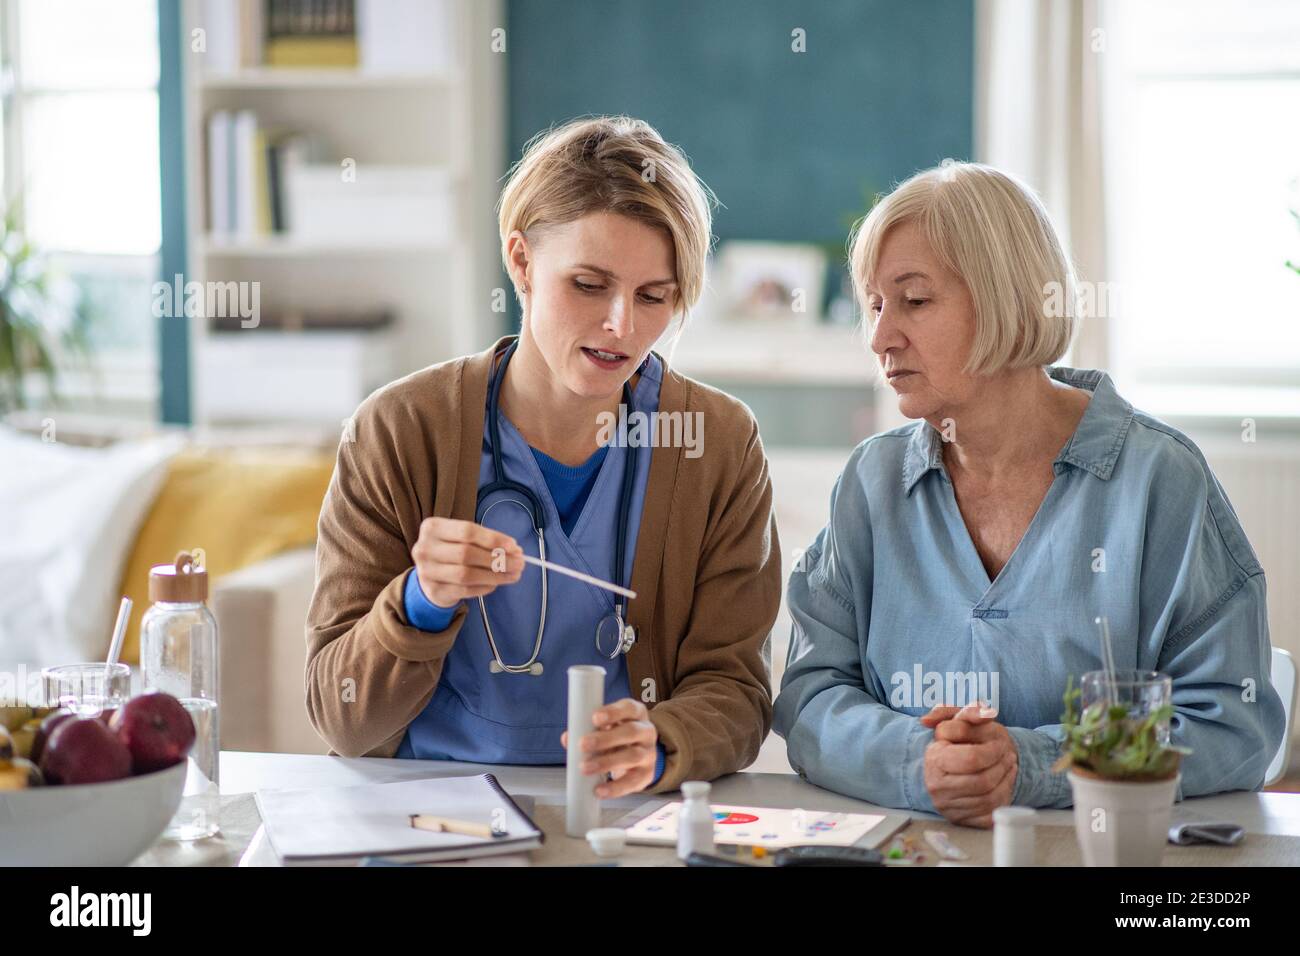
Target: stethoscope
(613, 628)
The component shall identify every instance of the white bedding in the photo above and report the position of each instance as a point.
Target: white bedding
(68, 520)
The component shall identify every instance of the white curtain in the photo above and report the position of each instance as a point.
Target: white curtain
(1038, 117)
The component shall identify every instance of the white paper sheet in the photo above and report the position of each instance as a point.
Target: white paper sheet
(760, 826)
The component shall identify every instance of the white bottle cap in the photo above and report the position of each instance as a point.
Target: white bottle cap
(1015, 816)
(695, 789)
(607, 841)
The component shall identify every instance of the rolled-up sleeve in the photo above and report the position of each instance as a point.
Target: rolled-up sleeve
(838, 734)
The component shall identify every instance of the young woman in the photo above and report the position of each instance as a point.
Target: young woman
(428, 636)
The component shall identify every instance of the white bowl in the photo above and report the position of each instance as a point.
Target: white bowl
(88, 824)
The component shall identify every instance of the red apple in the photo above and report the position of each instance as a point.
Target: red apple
(82, 750)
(157, 730)
(42, 737)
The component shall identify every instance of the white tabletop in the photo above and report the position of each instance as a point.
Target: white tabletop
(242, 772)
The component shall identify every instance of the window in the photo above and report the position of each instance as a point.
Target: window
(1202, 106)
(81, 153)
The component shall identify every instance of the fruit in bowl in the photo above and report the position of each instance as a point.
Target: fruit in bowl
(99, 792)
(11, 718)
(156, 729)
(83, 750)
(18, 773)
(42, 736)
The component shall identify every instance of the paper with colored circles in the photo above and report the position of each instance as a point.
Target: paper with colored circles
(760, 826)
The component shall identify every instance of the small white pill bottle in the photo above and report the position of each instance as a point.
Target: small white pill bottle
(1013, 836)
(695, 821)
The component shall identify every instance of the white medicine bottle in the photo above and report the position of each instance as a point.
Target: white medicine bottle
(695, 821)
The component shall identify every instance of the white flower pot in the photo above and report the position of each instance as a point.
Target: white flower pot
(1119, 823)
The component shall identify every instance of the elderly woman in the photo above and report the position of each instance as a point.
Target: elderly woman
(972, 550)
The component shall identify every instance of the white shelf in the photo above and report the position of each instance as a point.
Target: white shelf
(342, 78)
(309, 375)
(289, 247)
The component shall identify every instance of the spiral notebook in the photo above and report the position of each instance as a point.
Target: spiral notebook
(340, 825)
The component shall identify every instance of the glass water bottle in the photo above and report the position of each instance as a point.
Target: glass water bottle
(179, 655)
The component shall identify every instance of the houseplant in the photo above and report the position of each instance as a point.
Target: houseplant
(41, 321)
(1122, 769)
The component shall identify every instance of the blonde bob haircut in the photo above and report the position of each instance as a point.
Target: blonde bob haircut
(994, 233)
(612, 164)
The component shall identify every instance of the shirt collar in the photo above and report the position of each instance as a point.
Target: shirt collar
(1094, 446)
(1096, 443)
(924, 453)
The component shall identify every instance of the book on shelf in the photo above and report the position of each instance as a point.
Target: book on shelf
(233, 31)
(310, 33)
(248, 170)
(379, 37)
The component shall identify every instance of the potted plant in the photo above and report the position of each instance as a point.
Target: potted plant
(41, 319)
(1122, 769)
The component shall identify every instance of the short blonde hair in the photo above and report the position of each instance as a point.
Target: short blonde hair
(612, 164)
(995, 234)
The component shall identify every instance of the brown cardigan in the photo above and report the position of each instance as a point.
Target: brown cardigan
(707, 572)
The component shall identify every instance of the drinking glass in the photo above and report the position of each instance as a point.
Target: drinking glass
(89, 690)
(1138, 692)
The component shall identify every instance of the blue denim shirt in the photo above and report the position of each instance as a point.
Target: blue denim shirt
(894, 612)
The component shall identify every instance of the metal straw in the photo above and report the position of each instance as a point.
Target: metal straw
(1108, 659)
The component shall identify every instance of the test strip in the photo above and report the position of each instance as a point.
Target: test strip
(561, 569)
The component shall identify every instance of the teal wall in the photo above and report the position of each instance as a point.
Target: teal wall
(792, 143)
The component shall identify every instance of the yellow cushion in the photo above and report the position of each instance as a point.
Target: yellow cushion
(240, 505)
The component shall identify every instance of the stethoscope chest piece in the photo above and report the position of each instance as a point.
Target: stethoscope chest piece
(628, 639)
(615, 634)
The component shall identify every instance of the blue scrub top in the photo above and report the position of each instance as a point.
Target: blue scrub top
(482, 717)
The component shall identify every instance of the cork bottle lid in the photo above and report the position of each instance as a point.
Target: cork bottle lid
(184, 581)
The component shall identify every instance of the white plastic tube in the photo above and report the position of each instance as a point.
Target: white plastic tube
(1013, 836)
(586, 695)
